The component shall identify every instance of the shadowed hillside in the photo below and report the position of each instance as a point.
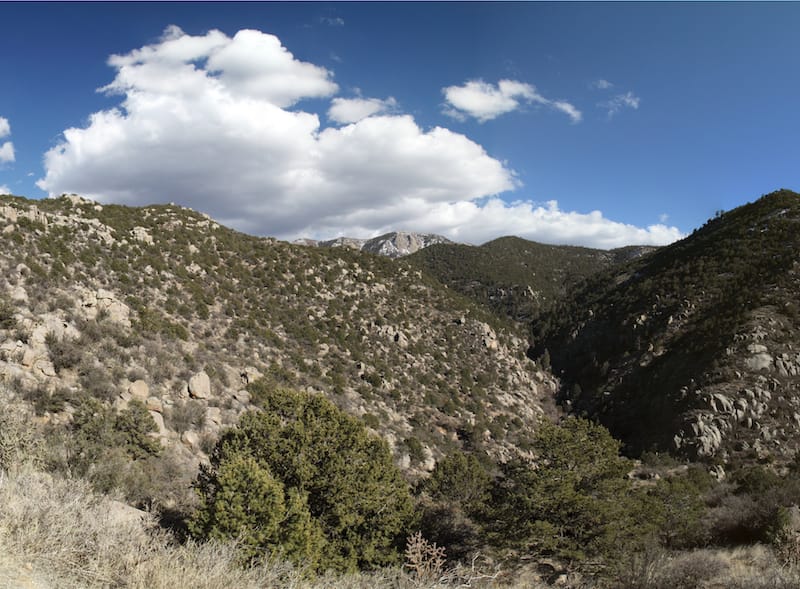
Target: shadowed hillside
(515, 277)
(694, 348)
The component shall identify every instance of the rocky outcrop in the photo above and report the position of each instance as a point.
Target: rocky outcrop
(693, 349)
(13, 214)
(139, 390)
(141, 234)
(102, 301)
(396, 244)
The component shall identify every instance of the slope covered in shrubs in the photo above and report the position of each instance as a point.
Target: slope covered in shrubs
(693, 348)
(312, 418)
(114, 303)
(515, 277)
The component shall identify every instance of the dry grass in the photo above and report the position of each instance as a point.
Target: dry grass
(71, 537)
(748, 567)
(56, 532)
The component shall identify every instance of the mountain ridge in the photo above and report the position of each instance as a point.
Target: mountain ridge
(395, 244)
(692, 349)
(164, 305)
(516, 277)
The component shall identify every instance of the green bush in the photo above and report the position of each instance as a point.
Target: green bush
(7, 320)
(44, 401)
(185, 416)
(573, 501)
(102, 442)
(64, 353)
(348, 504)
(96, 382)
(416, 451)
(459, 479)
(249, 504)
(681, 507)
(754, 512)
(453, 503)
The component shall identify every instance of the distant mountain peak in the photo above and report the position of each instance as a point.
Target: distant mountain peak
(394, 244)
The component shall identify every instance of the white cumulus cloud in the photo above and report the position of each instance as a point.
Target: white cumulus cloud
(4, 189)
(222, 141)
(474, 222)
(6, 148)
(212, 122)
(352, 110)
(484, 101)
(252, 64)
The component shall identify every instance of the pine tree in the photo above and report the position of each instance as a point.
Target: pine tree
(345, 499)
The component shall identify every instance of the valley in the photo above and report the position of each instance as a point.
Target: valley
(136, 341)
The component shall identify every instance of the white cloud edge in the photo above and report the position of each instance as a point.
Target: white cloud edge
(351, 110)
(614, 105)
(7, 154)
(475, 222)
(333, 21)
(602, 84)
(484, 101)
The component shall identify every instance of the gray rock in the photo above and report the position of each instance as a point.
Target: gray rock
(250, 374)
(19, 294)
(242, 396)
(393, 245)
(139, 390)
(200, 386)
(191, 440)
(214, 416)
(119, 513)
(154, 404)
(159, 419)
(758, 361)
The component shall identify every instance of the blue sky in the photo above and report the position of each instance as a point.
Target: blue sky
(595, 124)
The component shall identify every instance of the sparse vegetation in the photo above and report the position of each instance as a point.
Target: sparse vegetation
(137, 343)
(644, 346)
(7, 320)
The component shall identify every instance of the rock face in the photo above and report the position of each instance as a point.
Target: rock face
(399, 244)
(101, 301)
(396, 244)
(139, 390)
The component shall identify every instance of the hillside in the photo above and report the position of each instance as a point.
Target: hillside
(694, 348)
(515, 277)
(166, 306)
(191, 370)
